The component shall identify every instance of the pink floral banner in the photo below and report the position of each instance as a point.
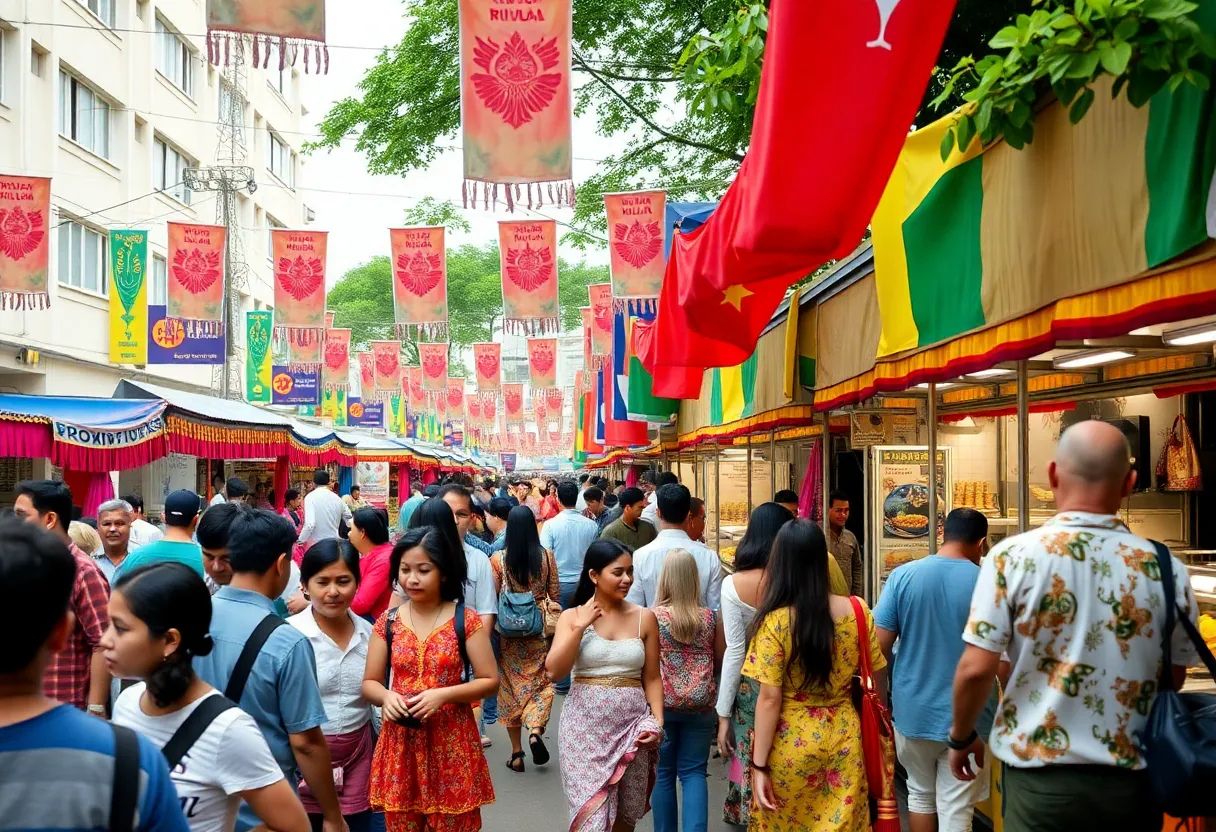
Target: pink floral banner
(367, 373)
(487, 363)
(455, 396)
(282, 30)
(387, 369)
(472, 410)
(195, 291)
(434, 360)
(417, 391)
(542, 362)
(420, 283)
(635, 245)
(601, 323)
(528, 252)
(336, 373)
(555, 401)
(25, 212)
(299, 284)
(513, 402)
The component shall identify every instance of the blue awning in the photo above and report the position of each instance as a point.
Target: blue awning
(93, 413)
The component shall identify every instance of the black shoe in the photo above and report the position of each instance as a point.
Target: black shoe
(519, 756)
(540, 754)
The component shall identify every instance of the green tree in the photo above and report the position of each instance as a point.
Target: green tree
(633, 59)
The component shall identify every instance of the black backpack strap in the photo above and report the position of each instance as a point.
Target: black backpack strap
(124, 794)
(188, 732)
(244, 664)
(1165, 564)
(458, 623)
(388, 642)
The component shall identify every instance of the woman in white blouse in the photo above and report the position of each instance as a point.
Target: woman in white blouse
(736, 695)
(329, 576)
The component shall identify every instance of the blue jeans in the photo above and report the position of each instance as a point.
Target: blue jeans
(684, 754)
(489, 705)
(562, 686)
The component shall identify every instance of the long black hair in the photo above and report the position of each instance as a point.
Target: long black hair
(437, 513)
(449, 560)
(600, 555)
(753, 550)
(524, 556)
(326, 552)
(372, 523)
(797, 581)
(170, 596)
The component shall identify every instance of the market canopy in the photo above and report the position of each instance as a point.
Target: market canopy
(83, 434)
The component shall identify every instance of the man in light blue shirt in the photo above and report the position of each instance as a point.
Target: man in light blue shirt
(925, 605)
(567, 536)
(409, 507)
(281, 694)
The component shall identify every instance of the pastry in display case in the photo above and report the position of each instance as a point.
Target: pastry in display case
(975, 494)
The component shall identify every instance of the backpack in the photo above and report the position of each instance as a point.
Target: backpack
(124, 794)
(519, 616)
(1179, 740)
(689, 685)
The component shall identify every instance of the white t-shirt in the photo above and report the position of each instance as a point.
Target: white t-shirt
(230, 757)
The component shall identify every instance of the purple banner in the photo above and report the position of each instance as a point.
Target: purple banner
(369, 415)
(508, 462)
(168, 342)
(295, 388)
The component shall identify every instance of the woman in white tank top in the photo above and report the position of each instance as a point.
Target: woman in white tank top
(612, 720)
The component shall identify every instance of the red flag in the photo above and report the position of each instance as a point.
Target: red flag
(670, 382)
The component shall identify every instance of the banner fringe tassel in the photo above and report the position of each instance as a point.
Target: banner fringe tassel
(24, 301)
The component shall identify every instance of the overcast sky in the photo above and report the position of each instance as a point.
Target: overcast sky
(359, 215)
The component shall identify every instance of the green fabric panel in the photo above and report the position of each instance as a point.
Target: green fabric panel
(945, 266)
(1179, 159)
(806, 371)
(643, 405)
(748, 371)
(715, 397)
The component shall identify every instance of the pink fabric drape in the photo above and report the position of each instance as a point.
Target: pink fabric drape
(631, 477)
(429, 476)
(101, 488)
(810, 499)
(35, 441)
(403, 483)
(282, 481)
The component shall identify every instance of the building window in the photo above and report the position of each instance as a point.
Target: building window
(84, 116)
(82, 257)
(271, 225)
(158, 289)
(281, 161)
(104, 9)
(279, 79)
(174, 58)
(169, 174)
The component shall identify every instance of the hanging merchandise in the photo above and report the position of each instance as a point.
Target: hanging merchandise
(635, 248)
(487, 364)
(367, 375)
(386, 373)
(258, 327)
(195, 290)
(542, 363)
(420, 283)
(278, 32)
(515, 105)
(1178, 468)
(528, 252)
(25, 211)
(128, 297)
(455, 397)
(601, 323)
(336, 374)
(513, 402)
(299, 285)
(434, 360)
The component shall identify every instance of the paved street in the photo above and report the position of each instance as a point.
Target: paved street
(534, 799)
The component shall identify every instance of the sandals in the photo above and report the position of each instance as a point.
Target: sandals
(511, 763)
(540, 754)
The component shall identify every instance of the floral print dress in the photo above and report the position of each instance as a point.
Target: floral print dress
(525, 694)
(434, 778)
(818, 771)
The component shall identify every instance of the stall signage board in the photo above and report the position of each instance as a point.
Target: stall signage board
(508, 462)
(364, 414)
(293, 385)
(868, 429)
(372, 478)
(899, 503)
(168, 342)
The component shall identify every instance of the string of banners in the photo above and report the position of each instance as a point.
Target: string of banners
(420, 283)
(280, 30)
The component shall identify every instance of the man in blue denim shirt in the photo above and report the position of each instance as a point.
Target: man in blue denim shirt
(282, 693)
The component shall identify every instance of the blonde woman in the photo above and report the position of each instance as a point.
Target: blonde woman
(85, 536)
(691, 644)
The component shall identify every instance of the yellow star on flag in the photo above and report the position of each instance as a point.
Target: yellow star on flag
(734, 295)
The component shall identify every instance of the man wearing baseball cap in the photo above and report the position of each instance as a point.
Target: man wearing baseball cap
(177, 546)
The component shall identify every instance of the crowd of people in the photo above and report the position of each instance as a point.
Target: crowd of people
(330, 668)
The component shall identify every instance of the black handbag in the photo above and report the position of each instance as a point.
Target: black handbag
(1179, 741)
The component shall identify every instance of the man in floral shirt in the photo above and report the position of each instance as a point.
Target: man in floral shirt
(1078, 605)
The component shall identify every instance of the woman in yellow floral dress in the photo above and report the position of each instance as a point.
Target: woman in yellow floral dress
(807, 766)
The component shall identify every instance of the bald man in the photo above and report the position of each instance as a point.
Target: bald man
(1077, 605)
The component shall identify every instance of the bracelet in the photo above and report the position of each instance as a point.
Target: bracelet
(96, 710)
(758, 767)
(961, 745)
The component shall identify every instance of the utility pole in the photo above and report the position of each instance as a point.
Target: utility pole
(229, 177)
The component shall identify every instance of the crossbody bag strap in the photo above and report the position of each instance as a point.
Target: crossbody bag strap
(249, 654)
(1165, 565)
(389, 620)
(863, 643)
(124, 792)
(458, 624)
(188, 732)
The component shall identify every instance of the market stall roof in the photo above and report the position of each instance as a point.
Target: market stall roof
(99, 414)
(83, 434)
(207, 407)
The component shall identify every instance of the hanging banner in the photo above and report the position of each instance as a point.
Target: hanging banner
(333, 406)
(306, 357)
(329, 319)
(128, 297)
(489, 411)
(258, 326)
(513, 402)
(284, 30)
(455, 397)
(169, 344)
(585, 312)
(472, 411)
(299, 285)
(387, 370)
(289, 386)
(336, 375)
(439, 404)
(396, 413)
(420, 283)
(539, 411)
(360, 414)
(635, 248)
(417, 391)
(434, 360)
(487, 364)
(528, 252)
(195, 290)
(25, 211)
(367, 374)
(542, 362)
(515, 105)
(601, 323)
(555, 402)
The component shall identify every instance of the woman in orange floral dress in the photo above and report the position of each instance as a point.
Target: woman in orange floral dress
(429, 773)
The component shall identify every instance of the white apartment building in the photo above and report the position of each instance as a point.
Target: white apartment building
(114, 99)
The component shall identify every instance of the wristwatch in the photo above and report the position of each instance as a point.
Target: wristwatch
(97, 710)
(961, 745)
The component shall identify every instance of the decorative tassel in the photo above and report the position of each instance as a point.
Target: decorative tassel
(227, 50)
(573, 195)
(326, 51)
(495, 196)
(530, 204)
(551, 192)
(464, 193)
(256, 50)
(282, 54)
(266, 43)
(306, 60)
(295, 52)
(510, 200)
(485, 196)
